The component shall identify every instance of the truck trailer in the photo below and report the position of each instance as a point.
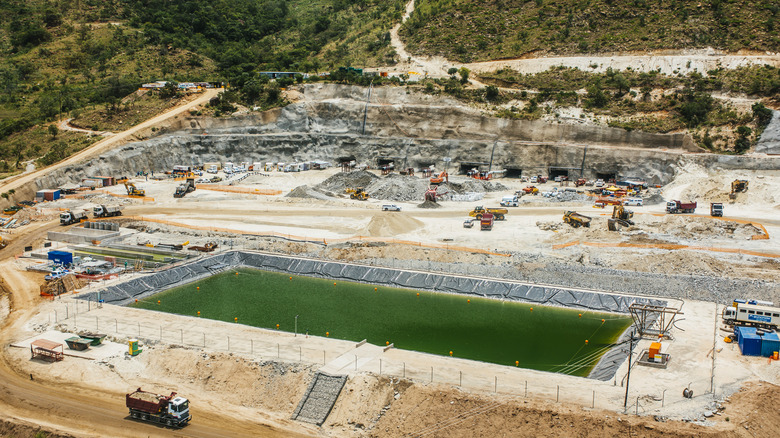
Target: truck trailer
(173, 411)
(106, 211)
(486, 222)
(680, 207)
(752, 313)
(72, 217)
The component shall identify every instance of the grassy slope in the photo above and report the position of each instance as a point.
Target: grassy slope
(481, 30)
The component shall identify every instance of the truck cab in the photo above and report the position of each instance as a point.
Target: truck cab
(716, 209)
(510, 201)
(179, 408)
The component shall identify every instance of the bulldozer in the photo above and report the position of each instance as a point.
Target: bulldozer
(738, 186)
(358, 193)
(132, 190)
(620, 218)
(576, 220)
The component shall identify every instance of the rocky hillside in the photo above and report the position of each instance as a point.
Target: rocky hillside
(481, 30)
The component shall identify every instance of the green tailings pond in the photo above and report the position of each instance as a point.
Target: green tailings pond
(501, 332)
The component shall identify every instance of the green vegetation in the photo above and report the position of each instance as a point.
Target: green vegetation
(544, 338)
(84, 57)
(653, 102)
(477, 30)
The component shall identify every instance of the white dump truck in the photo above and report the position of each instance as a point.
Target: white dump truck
(72, 217)
(106, 211)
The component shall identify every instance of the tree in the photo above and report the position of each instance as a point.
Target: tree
(464, 75)
(491, 92)
(762, 114)
(452, 71)
(53, 131)
(742, 144)
(596, 97)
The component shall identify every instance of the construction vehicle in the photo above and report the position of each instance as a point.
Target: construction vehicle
(173, 411)
(72, 217)
(580, 182)
(106, 211)
(541, 179)
(752, 313)
(468, 223)
(408, 171)
(12, 210)
(680, 207)
(187, 187)
(486, 222)
(620, 218)
(716, 209)
(132, 190)
(576, 220)
(498, 213)
(738, 186)
(531, 190)
(510, 201)
(440, 178)
(358, 193)
(209, 247)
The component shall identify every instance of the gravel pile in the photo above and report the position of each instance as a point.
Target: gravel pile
(308, 193)
(402, 188)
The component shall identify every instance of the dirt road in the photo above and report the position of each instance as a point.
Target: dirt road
(107, 143)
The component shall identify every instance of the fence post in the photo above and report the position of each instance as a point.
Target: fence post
(323, 357)
(204, 340)
(380, 367)
(116, 321)
(495, 383)
(252, 346)
(300, 355)
(593, 403)
(278, 352)
(460, 380)
(356, 362)
(228, 343)
(637, 405)
(181, 335)
(404, 370)
(431, 374)
(55, 315)
(526, 389)
(557, 393)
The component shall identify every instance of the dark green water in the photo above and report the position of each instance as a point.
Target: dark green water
(545, 338)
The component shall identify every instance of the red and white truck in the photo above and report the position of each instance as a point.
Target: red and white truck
(486, 223)
(170, 410)
(680, 207)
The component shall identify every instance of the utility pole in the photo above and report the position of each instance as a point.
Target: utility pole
(628, 377)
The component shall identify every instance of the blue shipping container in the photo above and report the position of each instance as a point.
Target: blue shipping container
(750, 344)
(739, 331)
(770, 343)
(60, 257)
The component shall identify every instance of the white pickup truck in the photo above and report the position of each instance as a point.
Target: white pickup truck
(391, 207)
(510, 201)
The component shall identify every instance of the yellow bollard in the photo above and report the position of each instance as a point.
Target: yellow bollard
(158, 302)
(418, 294)
(580, 315)
(517, 363)
(198, 312)
(532, 309)
(468, 301)
(586, 342)
(197, 288)
(450, 353)
(334, 283)
(327, 334)
(375, 289)
(290, 278)
(387, 342)
(277, 326)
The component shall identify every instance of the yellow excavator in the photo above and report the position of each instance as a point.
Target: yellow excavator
(358, 193)
(738, 186)
(620, 218)
(132, 190)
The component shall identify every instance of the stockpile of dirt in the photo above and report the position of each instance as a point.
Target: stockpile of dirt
(697, 228)
(308, 192)
(32, 214)
(389, 224)
(402, 188)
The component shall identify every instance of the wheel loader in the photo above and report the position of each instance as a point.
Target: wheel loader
(358, 193)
